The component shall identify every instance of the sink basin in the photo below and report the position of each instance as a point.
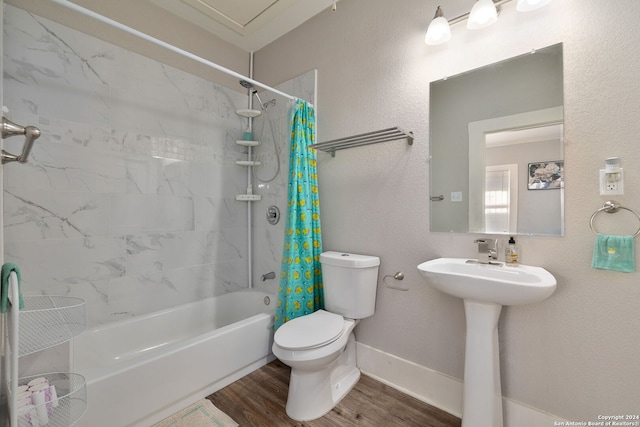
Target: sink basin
(489, 283)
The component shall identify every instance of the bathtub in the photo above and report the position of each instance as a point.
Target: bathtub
(143, 369)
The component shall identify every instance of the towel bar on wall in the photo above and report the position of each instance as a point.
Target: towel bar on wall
(611, 206)
(9, 129)
(384, 135)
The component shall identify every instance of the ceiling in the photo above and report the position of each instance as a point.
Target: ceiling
(248, 24)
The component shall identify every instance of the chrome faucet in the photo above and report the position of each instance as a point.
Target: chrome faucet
(269, 275)
(487, 250)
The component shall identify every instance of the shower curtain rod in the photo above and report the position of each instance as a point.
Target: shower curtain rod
(116, 24)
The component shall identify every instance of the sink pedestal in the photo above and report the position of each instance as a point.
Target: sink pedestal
(482, 398)
(485, 288)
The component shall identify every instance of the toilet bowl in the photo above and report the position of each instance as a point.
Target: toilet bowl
(323, 370)
(320, 347)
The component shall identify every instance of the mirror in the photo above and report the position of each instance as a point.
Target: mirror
(496, 149)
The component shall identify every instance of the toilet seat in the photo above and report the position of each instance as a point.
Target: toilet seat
(311, 331)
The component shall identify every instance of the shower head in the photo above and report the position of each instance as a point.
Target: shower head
(254, 91)
(247, 85)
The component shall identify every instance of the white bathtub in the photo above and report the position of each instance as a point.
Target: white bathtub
(143, 369)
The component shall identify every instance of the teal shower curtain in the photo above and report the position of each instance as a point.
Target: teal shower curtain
(300, 290)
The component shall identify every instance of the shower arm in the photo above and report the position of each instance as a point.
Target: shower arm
(10, 129)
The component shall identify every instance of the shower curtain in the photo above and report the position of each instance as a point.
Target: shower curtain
(300, 290)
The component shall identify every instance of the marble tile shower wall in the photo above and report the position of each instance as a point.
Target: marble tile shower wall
(128, 200)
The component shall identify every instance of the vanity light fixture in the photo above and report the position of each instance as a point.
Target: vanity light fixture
(439, 30)
(483, 14)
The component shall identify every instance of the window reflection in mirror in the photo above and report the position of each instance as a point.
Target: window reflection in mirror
(501, 199)
(507, 184)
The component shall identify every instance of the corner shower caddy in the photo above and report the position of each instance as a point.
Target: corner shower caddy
(44, 322)
(375, 137)
(249, 114)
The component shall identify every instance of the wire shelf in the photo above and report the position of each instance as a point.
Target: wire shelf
(46, 321)
(61, 406)
(375, 137)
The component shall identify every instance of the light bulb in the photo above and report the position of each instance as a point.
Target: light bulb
(438, 32)
(529, 5)
(483, 14)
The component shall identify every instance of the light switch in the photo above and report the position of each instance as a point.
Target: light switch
(456, 196)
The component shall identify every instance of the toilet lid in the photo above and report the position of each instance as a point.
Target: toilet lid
(313, 330)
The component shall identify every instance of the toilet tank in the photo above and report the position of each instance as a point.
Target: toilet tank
(350, 282)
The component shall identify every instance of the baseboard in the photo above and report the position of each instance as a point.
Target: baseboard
(437, 389)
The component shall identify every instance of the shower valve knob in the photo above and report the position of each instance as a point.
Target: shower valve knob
(273, 215)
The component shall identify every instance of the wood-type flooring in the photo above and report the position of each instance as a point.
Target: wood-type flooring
(258, 400)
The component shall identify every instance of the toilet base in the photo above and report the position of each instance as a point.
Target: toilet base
(313, 394)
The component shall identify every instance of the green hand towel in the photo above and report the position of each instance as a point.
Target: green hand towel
(7, 268)
(614, 253)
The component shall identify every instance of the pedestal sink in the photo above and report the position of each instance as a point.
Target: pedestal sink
(485, 288)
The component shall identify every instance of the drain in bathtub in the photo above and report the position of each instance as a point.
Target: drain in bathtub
(267, 300)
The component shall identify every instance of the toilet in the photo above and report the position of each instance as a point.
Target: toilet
(320, 347)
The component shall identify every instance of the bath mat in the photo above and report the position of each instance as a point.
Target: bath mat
(201, 414)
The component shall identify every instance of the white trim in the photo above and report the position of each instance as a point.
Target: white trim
(432, 387)
(277, 19)
(438, 389)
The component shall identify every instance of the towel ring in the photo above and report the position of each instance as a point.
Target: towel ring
(611, 206)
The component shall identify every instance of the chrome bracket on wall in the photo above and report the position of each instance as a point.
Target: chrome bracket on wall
(31, 133)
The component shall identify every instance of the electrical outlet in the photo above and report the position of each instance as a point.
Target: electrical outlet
(609, 187)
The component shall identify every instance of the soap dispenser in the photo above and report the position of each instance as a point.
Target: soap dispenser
(511, 253)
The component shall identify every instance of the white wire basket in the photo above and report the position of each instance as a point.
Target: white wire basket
(46, 321)
(59, 400)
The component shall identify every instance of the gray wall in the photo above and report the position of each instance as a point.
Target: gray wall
(574, 355)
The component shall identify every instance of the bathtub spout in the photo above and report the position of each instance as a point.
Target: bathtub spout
(270, 275)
